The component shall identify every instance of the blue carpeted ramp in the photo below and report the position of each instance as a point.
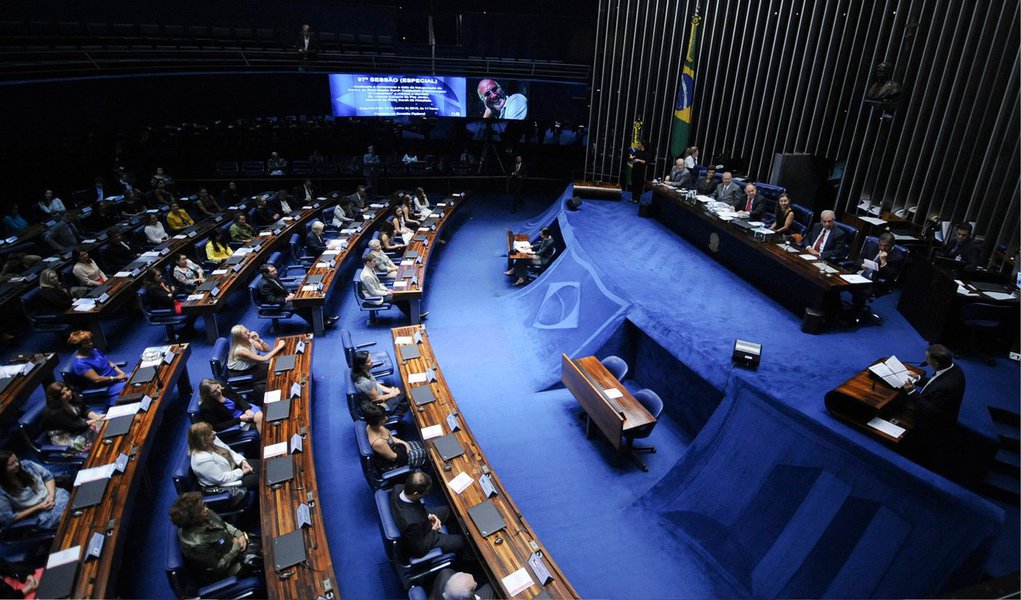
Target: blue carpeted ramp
(785, 509)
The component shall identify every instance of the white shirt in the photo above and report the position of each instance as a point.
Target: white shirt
(515, 108)
(212, 469)
(689, 162)
(156, 233)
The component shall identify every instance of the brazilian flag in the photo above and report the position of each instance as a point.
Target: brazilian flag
(685, 95)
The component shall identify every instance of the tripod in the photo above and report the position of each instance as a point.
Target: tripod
(489, 149)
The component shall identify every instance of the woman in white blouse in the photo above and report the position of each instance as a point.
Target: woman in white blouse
(51, 207)
(215, 464)
(420, 201)
(154, 231)
(87, 271)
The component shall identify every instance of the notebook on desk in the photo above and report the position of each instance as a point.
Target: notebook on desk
(206, 286)
(118, 426)
(279, 469)
(284, 363)
(409, 352)
(288, 550)
(422, 395)
(89, 493)
(233, 260)
(486, 518)
(4, 382)
(448, 446)
(143, 375)
(278, 411)
(58, 582)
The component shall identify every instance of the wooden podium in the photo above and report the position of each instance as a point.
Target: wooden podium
(864, 397)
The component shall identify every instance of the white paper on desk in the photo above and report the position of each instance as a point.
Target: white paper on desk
(613, 393)
(854, 278)
(377, 205)
(999, 295)
(89, 307)
(432, 431)
(400, 283)
(271, 396)
(89, 241)
(243, 251)
(219, 271)
(51, 259)
(460, 483)
(123, 409)
(517, 582)
(150, 254)
(180, 236)
(274, 450)
(870, 265)
(94, 474)
(403, 340)
(155, 362)
(763, 230)
(195, 297)
(904, 237)
(755, 223)
(892, 371)
(825, 268)
(323, 265)
(286, 218)
(417, 377)
(15, 370)
(263, 234)
(726, 216)
(788, 248)
(886, 427)
(873, 220)
(310, 288)
(963, 291)
(90, 302)
(332, 252)
(122, 274)
(808, 257)
(407, 262)
(63, 557)
(348, 231)
(424, 230)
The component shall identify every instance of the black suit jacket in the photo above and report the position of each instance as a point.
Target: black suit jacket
(968, 252)
(938, 405)
(118, 254)
(835, 247)
(313, 45)
(217, 415)
(315, 244)
(760, 206)
(264, 216)
(299, 195)
(272, 291)
(886, 276)
(412, 519)
(54, 300)
(483, 592)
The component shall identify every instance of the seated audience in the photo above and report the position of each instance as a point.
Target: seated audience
(213, 548)
(51, 206)
(240, 230)
(272, 291)
(343, 213)
(372, 288)
(133, 203)
(230, 196)
(119, 252)
(680, 175)
(458, 585)
(18, 580)
(107, 215)
(215, 464)
(542, 253)
(161, 294)
(222, 408)
(17, 264)
(826, 241)
(306, 192)
(161, 177)
(92, 365)
(216, 249)
(756, 206)
(402, 224)
(53, 296)
(206, 204)
(67, 420)
(962, 247)
(389, 452)
(243, 358)
(154, 231)
(315, 243)
(27, 489)
(264, 214)
(187, 273)
(161, 194)
(276, 165)
(389, 239)
(14, 223)
(728, 192)
(87, 271)
(178, 219)
(372, 391)
(783, 216)
(63, 235)
(384, 266)
(420, 529)
(360, 198)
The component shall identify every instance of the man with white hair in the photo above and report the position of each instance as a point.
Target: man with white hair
(826, 241)
(458, 585)
(384, 266)
(314, 241)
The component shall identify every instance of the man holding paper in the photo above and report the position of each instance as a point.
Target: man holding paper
(881, 262)
(937, 400)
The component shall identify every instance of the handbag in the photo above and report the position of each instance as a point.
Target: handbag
(251, 558)
(236, 497)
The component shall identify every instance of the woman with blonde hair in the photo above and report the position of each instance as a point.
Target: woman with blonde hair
(243, 358)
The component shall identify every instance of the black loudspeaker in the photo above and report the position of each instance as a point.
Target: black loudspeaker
(574, 203)
(747, 354)
(813, 321)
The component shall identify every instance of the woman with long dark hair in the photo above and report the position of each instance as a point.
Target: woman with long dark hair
(67, 420)
(28, 489)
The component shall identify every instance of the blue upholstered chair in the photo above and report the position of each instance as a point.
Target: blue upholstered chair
(372, 304)
(652, 403)
(616, 366)
(42, 319)
(38, 441)
(91, 392)
(410, 570)
(266, 310)
(160, 317)
(382, 363)
(218, 366)
(986, 322)
(802, 219)
(377, 479)
(222, 504)
(186, 585)
(298, 255)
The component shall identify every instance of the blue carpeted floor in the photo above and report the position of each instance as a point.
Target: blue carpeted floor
(595, 518)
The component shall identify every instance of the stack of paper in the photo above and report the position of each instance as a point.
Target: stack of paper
(892, 371)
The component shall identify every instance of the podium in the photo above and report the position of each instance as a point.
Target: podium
(864, 397)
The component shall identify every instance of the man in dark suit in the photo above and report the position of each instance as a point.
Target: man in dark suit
(827, 241)
(458, 585)
(230, 196)
(264, 215)
(707, 185)
(728, 191)
(937, 400)
(314, 241)
(962, 247)
(420, 529)
(517, 182)
(308, 43)
(881, 262)
(118, 252)
(305, 193)
(756, 206)
(272, 291)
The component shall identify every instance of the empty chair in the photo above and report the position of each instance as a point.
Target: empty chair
(372, 304)
(616, 366)
(410, 570)
(802, 219)
(186, 585)
(377, 479)
(382, 363)
(242, 384)
(988, 323)
(652, 403)
(290, 281)
(160, 317)
(253, 168)
(266, 310)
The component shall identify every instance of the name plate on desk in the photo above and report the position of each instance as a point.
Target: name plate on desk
(295, 390)
(487, 485)
(296, 443)
(299, 347)
(303, 516)
(121, 463)
(95, 548)
(453, 423)
(539, 569)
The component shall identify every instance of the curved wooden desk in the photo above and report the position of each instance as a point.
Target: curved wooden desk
(21, 386)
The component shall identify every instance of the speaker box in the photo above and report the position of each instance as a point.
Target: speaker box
(813, 321)
(574, 203)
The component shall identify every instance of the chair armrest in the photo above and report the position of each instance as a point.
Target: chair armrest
(365, 344)
(395, 474)
(216, 589)
(214, 498)
(161, 311)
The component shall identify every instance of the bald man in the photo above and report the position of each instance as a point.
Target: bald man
(451, 585)
(827, 241)
(498, 104)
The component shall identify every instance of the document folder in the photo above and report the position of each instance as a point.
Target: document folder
(118, 426)
(448, 446)
(58, 582)
(409, 352)
(486, 518)
(206, 286)
(143, 375)
(288, 550)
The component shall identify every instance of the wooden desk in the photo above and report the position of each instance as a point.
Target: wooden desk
(513, 254)
(411, 272)
(795, 283)
(863, 397)
(314, 300)
(98, 578)
(499, 560)
(22, 386)
(258, 250)
(277, 506)
(587, 378)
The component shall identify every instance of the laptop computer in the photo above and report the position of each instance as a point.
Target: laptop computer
(143, 375)
(284, 363)
(422, 395)
(279, 469)
(288, 550)
(206, 286)
(89, 494)
(58, 582)
(278, 411)
(233, 260)
(313, 279)
(409, 352)
(411, 254)
(486, 518)
(448, 446)
(98, 291)
(118, 426)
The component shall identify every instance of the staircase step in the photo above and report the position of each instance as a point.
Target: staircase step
(1010, 434)
(1007, 461)
(1002, 415)
(1002, 487)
